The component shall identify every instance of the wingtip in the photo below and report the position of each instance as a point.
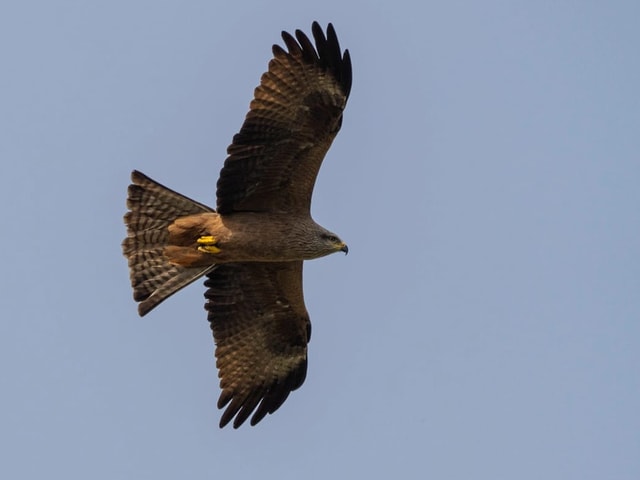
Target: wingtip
(326, 51)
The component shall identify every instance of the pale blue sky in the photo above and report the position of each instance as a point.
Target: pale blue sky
(486, 322)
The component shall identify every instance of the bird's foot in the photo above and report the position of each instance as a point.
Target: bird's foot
(207, 244)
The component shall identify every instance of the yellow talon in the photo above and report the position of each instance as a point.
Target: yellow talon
(207, 240)
(209, 249)
(208, 244)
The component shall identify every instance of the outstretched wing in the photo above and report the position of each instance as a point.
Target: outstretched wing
(261, 329)
(294, 116)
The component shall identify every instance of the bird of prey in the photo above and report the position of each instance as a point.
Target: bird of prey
(251, 247)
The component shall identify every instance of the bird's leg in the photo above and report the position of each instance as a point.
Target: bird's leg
(207, 244)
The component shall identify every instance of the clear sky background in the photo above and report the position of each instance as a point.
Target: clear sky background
(486, 322)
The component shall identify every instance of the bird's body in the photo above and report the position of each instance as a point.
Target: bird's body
(241, 237)
(252, 246)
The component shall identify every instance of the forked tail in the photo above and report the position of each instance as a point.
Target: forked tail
(152, 208)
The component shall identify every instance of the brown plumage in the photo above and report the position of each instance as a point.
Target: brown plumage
(253, 245)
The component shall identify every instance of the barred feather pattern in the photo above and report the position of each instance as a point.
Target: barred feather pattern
(152, 208)
(261, 328)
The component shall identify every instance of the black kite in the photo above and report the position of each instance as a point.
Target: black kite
(252, 246)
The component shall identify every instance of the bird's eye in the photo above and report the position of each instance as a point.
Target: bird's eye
(332, 239)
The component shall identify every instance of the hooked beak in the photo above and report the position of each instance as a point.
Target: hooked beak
(344, 248)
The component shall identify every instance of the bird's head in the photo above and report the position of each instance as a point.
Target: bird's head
(330, 243)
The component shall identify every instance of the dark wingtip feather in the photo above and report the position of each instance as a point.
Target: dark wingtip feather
(259, 402)
(346, 73)
(326, 52)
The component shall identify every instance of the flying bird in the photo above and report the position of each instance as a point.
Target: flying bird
(252, 245)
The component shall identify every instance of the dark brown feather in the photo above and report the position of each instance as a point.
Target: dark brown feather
(294, 116)
(261, 329)
(152, 208)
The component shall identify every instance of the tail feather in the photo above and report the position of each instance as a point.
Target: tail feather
(152, 208)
